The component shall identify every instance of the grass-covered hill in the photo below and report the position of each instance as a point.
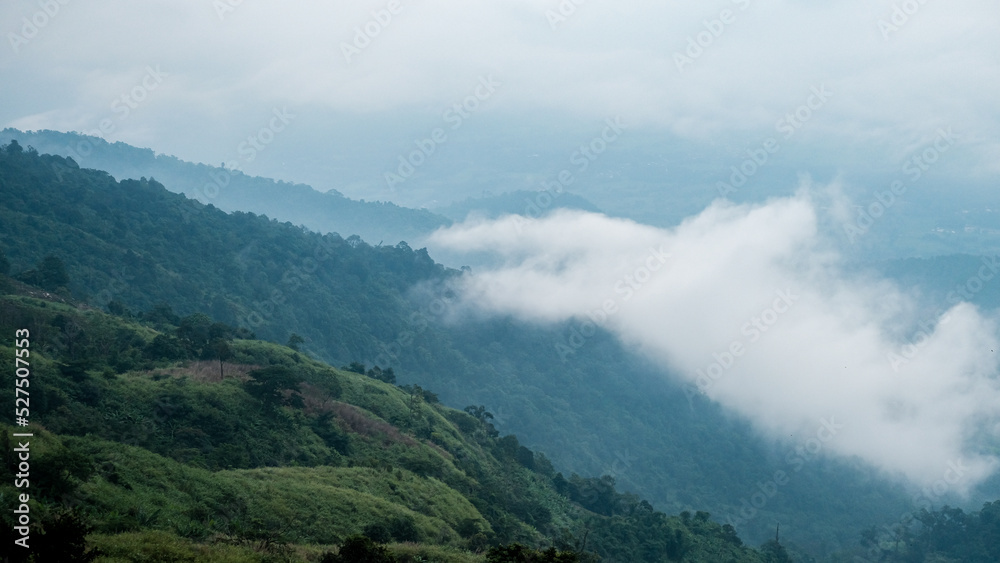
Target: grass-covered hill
(133, 246)
(161, 438)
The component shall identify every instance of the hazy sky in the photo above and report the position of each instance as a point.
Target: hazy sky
(198, 77)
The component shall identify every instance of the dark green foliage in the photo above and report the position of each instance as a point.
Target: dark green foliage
(161, 315)
(166, 347)
(403, 529)
(272, 385)
(417, 391)
(356, 367)
(400, 529)
(773, 552)
(116, 308)
(387, 375)
(4, 264)
(50, 273)
(377, 532)
(59, 537)
(359, 549)
(64, 539)
(517, 553)
(295, 342)
(947, 534)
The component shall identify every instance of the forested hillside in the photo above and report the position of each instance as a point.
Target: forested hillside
(229, 189)
(160, 438)
(131, 246)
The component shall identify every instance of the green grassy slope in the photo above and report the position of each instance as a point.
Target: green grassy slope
(276, 456)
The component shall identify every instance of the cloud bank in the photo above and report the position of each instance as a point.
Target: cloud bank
(750, 306)
(898, 68)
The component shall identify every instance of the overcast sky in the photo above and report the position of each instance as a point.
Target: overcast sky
(219, 71)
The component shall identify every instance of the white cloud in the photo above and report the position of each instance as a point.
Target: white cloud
(756, 292)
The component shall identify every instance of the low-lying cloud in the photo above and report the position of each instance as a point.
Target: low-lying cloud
(751, 306)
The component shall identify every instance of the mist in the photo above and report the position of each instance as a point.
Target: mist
(753, 307)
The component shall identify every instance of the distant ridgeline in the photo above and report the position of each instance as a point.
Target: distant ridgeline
(232, 190)
(195, 429)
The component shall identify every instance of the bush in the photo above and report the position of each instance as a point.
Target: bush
(517, 553)
(359, 549)
(377, 532)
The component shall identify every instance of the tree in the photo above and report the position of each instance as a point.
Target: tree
(774, 552)
(64, 539)
(356, 367)
(161, 314)
(480, 412)
(294, 341)
(223, 351)
(359, 549)
(386, 375)
(4, 264)
(268, 384)
(517, 553)
(49, 274)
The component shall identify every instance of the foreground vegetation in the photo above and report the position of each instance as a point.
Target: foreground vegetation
(166, 438)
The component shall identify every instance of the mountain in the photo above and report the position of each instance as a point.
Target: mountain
(599, 410)
(161, 438)
(520, 202)
(231, 190)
